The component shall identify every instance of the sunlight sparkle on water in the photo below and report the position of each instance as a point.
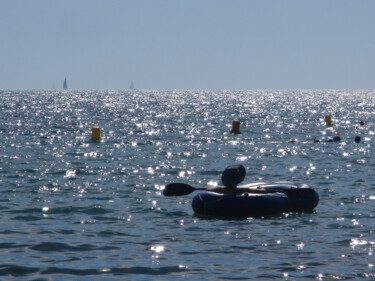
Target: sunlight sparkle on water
(70, 173)
(105, 270)
(114, 188)
(357, 242)
(300, 246)
(212, 183)
(157, 248)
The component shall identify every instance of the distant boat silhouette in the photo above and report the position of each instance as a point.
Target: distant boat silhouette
(131, 87)
(65, 85)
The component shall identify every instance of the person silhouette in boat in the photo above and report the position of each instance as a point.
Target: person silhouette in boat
(230, 178)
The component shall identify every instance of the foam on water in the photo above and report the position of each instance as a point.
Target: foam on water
(72, 208)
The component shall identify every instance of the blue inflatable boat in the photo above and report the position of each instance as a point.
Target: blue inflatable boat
(280, 197)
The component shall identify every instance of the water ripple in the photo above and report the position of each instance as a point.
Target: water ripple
(54, 246)
(96, 208)
(15, 270)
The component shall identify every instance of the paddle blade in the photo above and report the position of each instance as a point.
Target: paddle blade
(177, 189)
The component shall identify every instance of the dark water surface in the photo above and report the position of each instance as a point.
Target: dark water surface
(72, 209)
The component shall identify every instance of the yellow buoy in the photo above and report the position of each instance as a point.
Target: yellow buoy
(328, 121)
(235, 127)
(95, 134)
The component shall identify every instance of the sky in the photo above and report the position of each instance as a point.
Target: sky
(191, 44)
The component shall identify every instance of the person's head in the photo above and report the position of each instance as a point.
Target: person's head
(233, 175)
(357, 139)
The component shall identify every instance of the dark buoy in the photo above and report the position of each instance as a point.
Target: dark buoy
(335, 138)
(235, 127)
(357, 139)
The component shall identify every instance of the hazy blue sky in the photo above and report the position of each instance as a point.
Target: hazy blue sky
(192, 44)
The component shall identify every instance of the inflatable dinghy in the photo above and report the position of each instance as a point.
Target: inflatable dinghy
(280, 197)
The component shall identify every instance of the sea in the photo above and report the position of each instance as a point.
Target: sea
(76, 209)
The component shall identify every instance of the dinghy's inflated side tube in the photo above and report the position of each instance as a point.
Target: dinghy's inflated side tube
(252, 205)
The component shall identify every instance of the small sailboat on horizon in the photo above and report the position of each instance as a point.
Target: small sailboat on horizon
(131, 87)
(65, 85)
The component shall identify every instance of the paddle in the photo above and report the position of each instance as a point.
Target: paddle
(179, 189)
